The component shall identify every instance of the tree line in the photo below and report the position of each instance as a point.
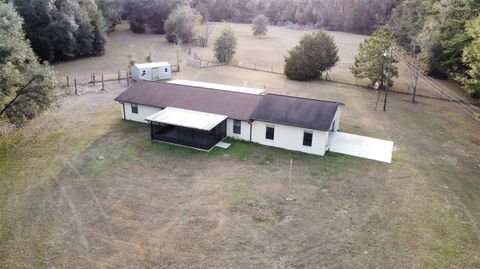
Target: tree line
(60, 30)
(357, 16)
(446, 35)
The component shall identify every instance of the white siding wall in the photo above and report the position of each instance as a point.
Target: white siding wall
(137, 73)
(286, 137)
(289, 137)
(244, 130)
(165, 75)
(143, 112)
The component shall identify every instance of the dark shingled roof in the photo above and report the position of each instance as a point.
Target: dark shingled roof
(288, 110)
(296, 111)
(158, 94)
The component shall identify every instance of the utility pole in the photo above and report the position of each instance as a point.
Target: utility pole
(415, 71)
(389, 54)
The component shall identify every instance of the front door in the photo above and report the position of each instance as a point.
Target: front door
(155, 73)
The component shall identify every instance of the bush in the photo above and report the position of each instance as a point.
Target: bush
(315, 54)
(138, 27)
(225, 45)
(259, 25)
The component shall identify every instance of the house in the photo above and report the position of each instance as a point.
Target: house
(151, 71)
(200, 117)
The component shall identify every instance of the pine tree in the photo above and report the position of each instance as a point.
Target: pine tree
(372, 60)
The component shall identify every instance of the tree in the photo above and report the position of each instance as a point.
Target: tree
(202, 7)
(443, 35)
(27, 88)
(136, 13)
(91, 34)
(259, 25)
(63, 29)
(157, 13)
(471, 57)
(315, 54)
(179, 24)
(407, 21)
(225, 45)
(372, 60)
(109, 12)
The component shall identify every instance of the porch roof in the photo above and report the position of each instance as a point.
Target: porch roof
(187, 118)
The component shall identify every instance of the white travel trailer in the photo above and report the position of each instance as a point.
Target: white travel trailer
(152, 71)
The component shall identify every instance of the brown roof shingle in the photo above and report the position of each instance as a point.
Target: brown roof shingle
(296, 111)
(234, 105)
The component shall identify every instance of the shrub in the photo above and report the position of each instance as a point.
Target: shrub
(225, 45)
(259, 25)
(315, 54)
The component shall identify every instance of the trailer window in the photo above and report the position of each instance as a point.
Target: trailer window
(135, 108)
(166, 70)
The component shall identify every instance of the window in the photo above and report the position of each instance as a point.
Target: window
(270, 132)
(166, 70)
(135, 108)
(237, 126)
(307, 138)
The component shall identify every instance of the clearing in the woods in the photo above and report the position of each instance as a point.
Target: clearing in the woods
(80, 188)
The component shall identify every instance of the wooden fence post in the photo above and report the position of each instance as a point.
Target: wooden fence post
(103, 85)
(75, 82)
(128, 81)
(93, 76)
(68, 83)
(118, 72)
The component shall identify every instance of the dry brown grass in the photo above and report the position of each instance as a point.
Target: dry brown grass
(155, 206)
(264, 53)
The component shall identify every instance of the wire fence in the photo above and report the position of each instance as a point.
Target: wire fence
(74, 86)
(198, 62)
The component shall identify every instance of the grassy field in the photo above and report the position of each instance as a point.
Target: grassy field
(263, 53)
(80, 188)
